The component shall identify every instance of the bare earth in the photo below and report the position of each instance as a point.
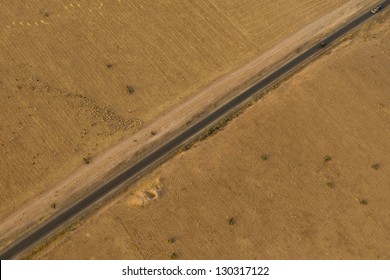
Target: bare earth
(37, 201)
(301, 174)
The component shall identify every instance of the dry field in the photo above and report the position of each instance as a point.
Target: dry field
(303, 173)
(65, 69)
(253, 18)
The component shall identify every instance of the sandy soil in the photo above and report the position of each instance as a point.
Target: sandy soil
(89, 175)
(301, 174)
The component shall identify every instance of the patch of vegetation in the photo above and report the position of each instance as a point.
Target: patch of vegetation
(186, 147)
(212, 130)
(109, 65)
(53, 205)
(330, 184)
(218, 126)
(153, 133)
(171, 240)
(173, 256)
(231, 221)
(87, 159)
(327, 158)
(264, 157)
(376, 166)
(363, 201)
(46, 14)
(130, 89)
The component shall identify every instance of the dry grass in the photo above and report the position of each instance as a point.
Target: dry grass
(256, 19)
(67, 70)
(222, 201)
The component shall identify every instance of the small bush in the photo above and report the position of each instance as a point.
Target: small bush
(153, 133)
(130, 89)
(171, 240)
(186, 147)
(53, 205)
(363, 201)
(330, 184)
(327, 158)
(376, 166)
(173, 256)
(109, 65)
(231, 221)
(87, 160)
(264, 157)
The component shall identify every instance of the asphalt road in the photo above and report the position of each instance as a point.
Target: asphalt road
(57, 221)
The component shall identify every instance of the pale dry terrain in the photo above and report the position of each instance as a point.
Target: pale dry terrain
(303, 173)
(64, 72)
(65, 69)
(253, 18)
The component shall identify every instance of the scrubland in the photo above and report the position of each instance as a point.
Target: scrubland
(303, 173)
(77, 77)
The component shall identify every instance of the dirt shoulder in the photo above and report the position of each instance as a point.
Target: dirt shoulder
(86, 178)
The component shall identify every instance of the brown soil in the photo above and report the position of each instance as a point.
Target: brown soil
(301, 174)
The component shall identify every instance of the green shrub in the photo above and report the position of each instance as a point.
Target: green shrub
(264, 157)
(376, 166)
(130, 89)
(363, 201)
(87, 160)
(173, 256)
(231, 221)
(330, 184)
(327, 158)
